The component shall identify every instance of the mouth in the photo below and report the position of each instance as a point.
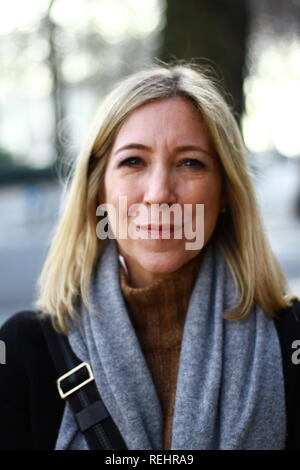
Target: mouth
(159, 231)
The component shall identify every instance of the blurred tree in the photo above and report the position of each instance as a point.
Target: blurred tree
(57, 95)
(215, 32)
(278, 18)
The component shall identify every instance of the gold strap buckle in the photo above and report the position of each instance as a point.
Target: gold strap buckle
(77, 387)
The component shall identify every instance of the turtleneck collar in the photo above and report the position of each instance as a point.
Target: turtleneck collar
(162, 305)
(180, 280)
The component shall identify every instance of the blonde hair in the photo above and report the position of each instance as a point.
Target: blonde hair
(75, 248)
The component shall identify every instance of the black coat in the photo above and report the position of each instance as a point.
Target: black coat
(31, 409)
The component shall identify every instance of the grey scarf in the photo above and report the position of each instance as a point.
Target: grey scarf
(230, 388)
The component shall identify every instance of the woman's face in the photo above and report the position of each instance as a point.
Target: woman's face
(162, 154)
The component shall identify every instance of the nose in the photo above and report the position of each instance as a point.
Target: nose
(160, 187)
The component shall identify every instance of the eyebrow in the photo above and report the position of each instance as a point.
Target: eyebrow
(180, 148)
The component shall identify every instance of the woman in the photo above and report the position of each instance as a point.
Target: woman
(188, 342)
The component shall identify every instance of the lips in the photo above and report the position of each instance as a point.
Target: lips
(161, 231)
(157, 228)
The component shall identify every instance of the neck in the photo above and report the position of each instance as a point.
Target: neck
(139, 278)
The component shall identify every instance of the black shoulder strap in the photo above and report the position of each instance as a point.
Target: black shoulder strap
(76, 384)
(287, 323)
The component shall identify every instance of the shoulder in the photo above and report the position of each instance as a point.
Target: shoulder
(30, 408)
(25, 346)
(22, 335)
(25, 321)
(287, 320)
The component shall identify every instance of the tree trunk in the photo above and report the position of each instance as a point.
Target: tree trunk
(212, 32)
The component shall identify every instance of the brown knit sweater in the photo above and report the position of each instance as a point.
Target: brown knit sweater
(158, 313)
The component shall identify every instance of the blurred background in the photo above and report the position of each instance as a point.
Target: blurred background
(58, 58)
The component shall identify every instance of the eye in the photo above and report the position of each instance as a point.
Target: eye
(131, 161)
(194, 163)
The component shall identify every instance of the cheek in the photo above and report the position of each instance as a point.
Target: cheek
(211, 211)
(107, 185)
(113, 188)
(121, 196)
(206, 191)
(212, 207)
(116, 186)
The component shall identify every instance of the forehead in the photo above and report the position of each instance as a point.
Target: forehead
(171, 118)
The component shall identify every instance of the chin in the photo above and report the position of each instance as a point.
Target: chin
(161, 263)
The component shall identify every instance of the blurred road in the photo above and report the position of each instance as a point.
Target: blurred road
(28, 215)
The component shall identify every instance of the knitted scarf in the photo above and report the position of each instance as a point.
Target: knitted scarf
(230, 386)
